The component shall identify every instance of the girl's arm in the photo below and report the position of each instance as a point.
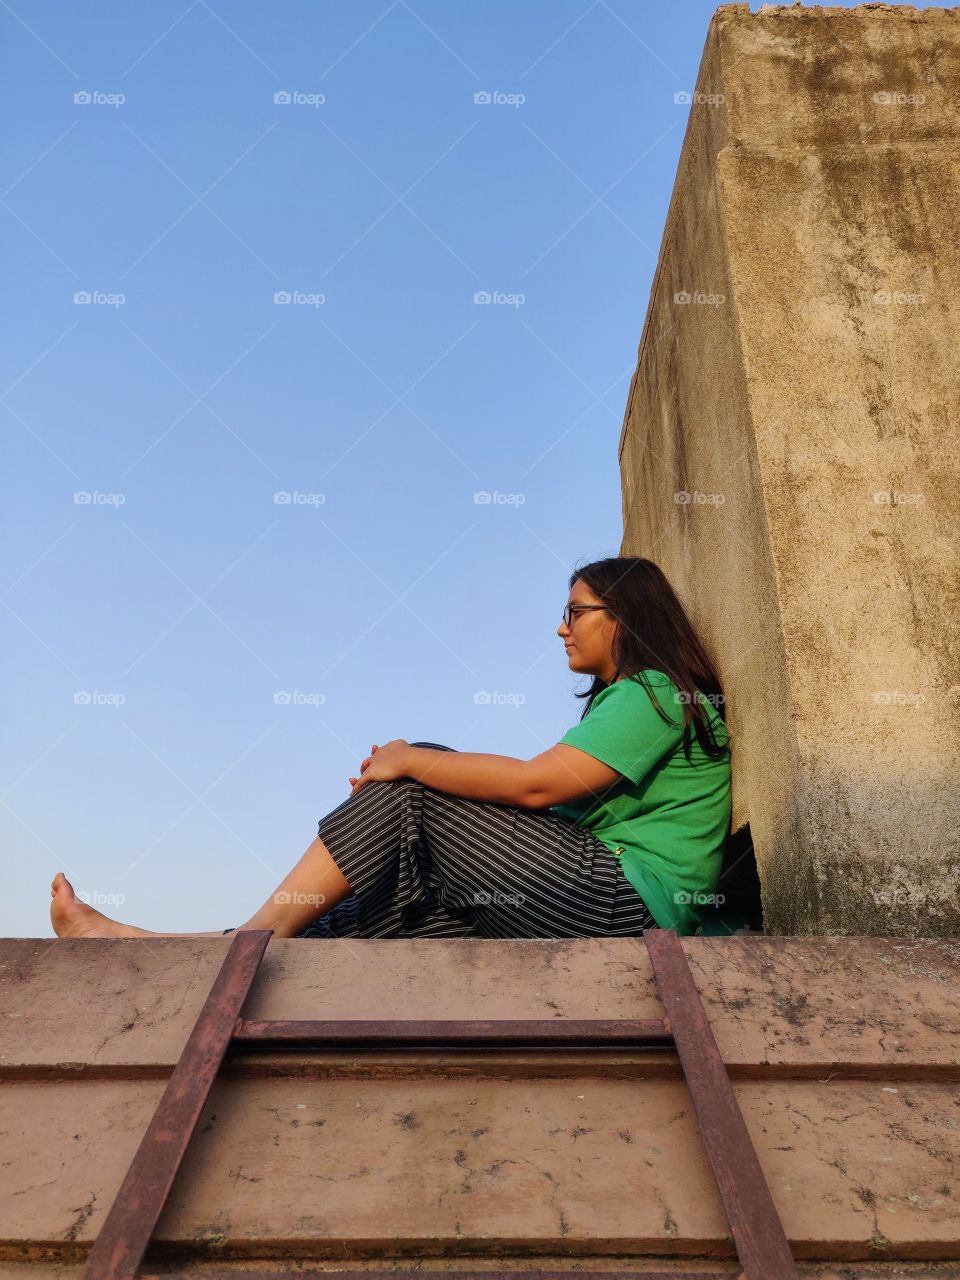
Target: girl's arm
(562, 773)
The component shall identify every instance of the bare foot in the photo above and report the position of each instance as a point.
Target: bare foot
(72, 918)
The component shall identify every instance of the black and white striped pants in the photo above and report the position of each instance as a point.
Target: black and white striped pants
(422, 863)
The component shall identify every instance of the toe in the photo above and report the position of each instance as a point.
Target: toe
(62, 889)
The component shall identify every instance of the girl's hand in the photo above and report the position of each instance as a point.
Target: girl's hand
(365, 763)
(384, 764)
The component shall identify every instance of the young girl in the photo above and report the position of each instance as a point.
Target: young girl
(618, 828)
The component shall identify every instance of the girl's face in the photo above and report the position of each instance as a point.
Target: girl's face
(589, 638)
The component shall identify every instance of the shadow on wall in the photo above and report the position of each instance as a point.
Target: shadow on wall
(738, 907)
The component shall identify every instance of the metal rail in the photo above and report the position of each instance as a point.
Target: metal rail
(758, 1236)
(444, 1275)
(754, 1222)
(461, 1034)
(126, 1231)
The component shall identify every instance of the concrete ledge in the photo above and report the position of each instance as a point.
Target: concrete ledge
(845, 1053)
(800, 1006)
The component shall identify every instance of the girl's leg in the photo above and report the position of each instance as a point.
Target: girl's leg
(378, 840)
(407, 851)
(314, 886)
(370, 829)
(421, 859)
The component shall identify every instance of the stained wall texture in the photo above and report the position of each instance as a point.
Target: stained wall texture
(789, 453)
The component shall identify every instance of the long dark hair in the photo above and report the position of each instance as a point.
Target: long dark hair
(655, 633)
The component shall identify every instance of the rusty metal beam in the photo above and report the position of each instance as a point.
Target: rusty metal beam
(452, 1274)
(757, 1232)
(573, 1033)
(754, 1222)
(125, 1234)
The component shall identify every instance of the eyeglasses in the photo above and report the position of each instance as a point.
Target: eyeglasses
(572, 609)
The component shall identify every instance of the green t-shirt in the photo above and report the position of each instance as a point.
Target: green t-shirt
(668, 818)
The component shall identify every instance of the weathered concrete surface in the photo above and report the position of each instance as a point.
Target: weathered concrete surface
(596, 1165)
(809, 404)
(845, 1053)
(812, 1006)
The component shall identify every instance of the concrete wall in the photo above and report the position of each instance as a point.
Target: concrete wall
(808, 402)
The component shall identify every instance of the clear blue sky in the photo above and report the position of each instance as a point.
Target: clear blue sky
(149, 632)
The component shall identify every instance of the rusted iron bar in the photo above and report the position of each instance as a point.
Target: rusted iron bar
(123, 1239)
(757, 1232)
(754, 1222)
(599, 1033)
(445, 1275)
